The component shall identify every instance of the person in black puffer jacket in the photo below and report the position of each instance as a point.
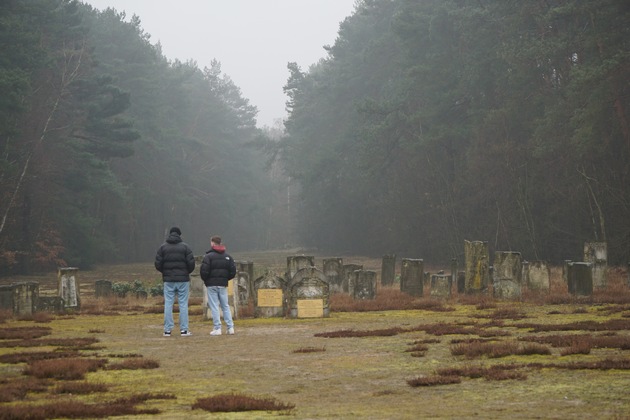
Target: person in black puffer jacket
(217, 268)
(175, 260)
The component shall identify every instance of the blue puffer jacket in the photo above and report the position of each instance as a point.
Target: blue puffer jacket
(217, 267)
(175, 259)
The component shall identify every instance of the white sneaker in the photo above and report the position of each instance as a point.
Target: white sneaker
(231, 331)
(215, 332)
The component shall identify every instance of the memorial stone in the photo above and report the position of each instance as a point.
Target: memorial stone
(363, 284)
(25, 297)
(308, 294)
(507, 276)
(197, 287)
(247, 267)
(412, 276)
(68, 287)
(6, 298)
(102, 288)
(596, 253)
(477, 266)
(461, 282)
(565, 271)
(242, 284)
(539, 276)
(453, 270)
(269, 296)
(333, 270)
(580, 278)
(441, 285)
(388, 269)
(53, 304)
(296, 263)
(346, 275)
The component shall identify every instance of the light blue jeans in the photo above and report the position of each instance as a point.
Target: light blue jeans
(182, 289)
(218, 296)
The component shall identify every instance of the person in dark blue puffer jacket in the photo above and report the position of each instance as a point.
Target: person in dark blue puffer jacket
(175, 260)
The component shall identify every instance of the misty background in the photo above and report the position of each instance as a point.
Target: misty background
(419, 125)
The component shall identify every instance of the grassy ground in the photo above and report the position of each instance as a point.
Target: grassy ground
(347, 377)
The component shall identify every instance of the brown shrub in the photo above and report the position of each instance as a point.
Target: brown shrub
(235, 402)
(42, 317)
(418, 348)
(357, 333)
(445, 329)
(24, 333)
(13, 390)
(493, 373)
(418, 354)
(96, 331)
(133, 364)
(426, 341)
(76, 343)
(309, 350)
(79, 388)
(582, 347)
(71, 409)
(63, 369)
(503, 375)
(610, 325)
(27, 357)
(507, 313)
(434, 380)
(497, 349)
(4, 315)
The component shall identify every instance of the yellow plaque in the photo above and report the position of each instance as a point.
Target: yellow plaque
(230, 288)
(269, 297)
(310, 308)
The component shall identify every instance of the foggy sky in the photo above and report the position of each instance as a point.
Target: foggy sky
(253, 39)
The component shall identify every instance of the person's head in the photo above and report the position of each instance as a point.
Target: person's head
(175, 229)
(215, 240)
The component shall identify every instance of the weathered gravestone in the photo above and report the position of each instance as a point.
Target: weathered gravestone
(580, 278)
(596, 253)
(6, 297)
(68, 287)
(53, 304)
(412, 276)
(461, 282)
(453, 270)
(333, 270)
(477, 266)
(269, 296)
(197, 287)
(308, 294)
(363, 284)
(346, 275)
(441, 285)
(232, 303)
(565, 271)
(242, 284)
(507, 276)
(25, 298)
(296, 263)
(247, 267)
(538, 276)
(102, 288)
(388, 269)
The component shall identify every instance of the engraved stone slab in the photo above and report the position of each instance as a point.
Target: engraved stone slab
(507, 275)
(363, 284)
(596, 253)
(539, 276)
(412, 276)
(580, 278)
(6, 297)
(68, 287)
(477, 264)
(348, 269)
(308, 284)
(441, 285)
(25, 298)
(388, 269)
(333, 269)
(102, 288)
(269, 296)
(296, 263)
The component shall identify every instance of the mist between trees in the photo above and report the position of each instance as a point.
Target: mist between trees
(427, 123)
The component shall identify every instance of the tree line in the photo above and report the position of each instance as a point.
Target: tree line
(105, 143)
(437, 121)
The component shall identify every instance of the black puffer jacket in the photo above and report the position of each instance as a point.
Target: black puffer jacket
(175, 259)
(217, 267)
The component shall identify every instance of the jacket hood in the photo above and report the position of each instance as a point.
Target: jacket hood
(217, 248)
(173, 238)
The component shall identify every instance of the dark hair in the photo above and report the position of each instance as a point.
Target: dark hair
(176, 230)
(216, 239)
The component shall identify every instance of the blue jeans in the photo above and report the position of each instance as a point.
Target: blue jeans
(182, 289)
(218, 296)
